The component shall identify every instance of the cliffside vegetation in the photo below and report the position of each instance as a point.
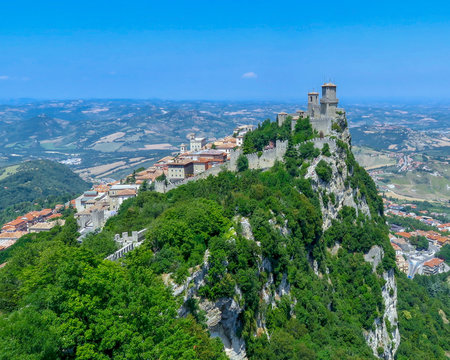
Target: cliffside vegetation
(424, 309)
(34, 185)
(61, 300)
(269, 131)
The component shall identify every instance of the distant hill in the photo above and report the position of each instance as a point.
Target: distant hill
(36, 184)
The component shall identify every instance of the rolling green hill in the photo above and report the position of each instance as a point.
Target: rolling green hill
(36, 184)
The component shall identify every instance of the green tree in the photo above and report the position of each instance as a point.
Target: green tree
(324, 171)
(242, 163)
(444, 253)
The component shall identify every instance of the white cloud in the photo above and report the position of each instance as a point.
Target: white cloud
(249, 75)
(4, 77)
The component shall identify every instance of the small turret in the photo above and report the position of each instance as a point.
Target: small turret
(313, 104)
(183, 148)
(281, 118)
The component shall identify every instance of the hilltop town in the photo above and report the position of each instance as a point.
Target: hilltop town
(326, 208)
(199, 158)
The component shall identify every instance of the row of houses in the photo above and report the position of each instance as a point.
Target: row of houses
(95, 206)
(400, 245)
(398, 209)
(432, 236)
(31, 222)
(200, 156)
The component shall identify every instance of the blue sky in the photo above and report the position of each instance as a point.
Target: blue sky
(224, 50)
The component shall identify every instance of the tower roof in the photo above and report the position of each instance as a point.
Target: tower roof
(313, 93)
(328, 85)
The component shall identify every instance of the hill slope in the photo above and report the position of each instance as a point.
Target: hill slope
(39, 181)
(289, 263)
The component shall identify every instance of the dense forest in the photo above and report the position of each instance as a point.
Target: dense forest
(61, 300)
(36, 184)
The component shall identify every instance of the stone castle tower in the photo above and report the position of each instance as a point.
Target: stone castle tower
(328, 102)
(313, 104)
(321, 115)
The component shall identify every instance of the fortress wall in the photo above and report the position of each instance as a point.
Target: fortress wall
(322, 123)
(318, 143)
(161, 187)
(266, 160)
(234, 155)
(121, 252)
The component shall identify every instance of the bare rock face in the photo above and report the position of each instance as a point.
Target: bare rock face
(344, 195)
(222, 321)
(385, 339)
(222, 316)
(246, 228)
(374, 256)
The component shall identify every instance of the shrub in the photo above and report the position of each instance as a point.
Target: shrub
(242, 163)
(335, 126)
(333, 198)
(323, 171)
(326, 150)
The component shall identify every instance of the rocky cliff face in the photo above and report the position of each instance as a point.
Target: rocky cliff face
(338, 186)
(223, 315)
(385, 338)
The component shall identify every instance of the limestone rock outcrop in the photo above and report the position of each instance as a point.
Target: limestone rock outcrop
(385, 338)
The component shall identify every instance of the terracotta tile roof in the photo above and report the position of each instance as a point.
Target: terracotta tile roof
(16, 222)
(29, 217)
(101, 188)
(13, 235)
(203, 160)
(404, 234)
(433, 262)
(46, 212)
(165, 159)
(8, 227)
(226, 146)
(395, 246)
(442, 240)
(181, 163)
(54, 216)
(126, 192)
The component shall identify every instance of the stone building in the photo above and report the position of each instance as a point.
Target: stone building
(196, 143)
(321, 113)
(181, 169)
(433, 266)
